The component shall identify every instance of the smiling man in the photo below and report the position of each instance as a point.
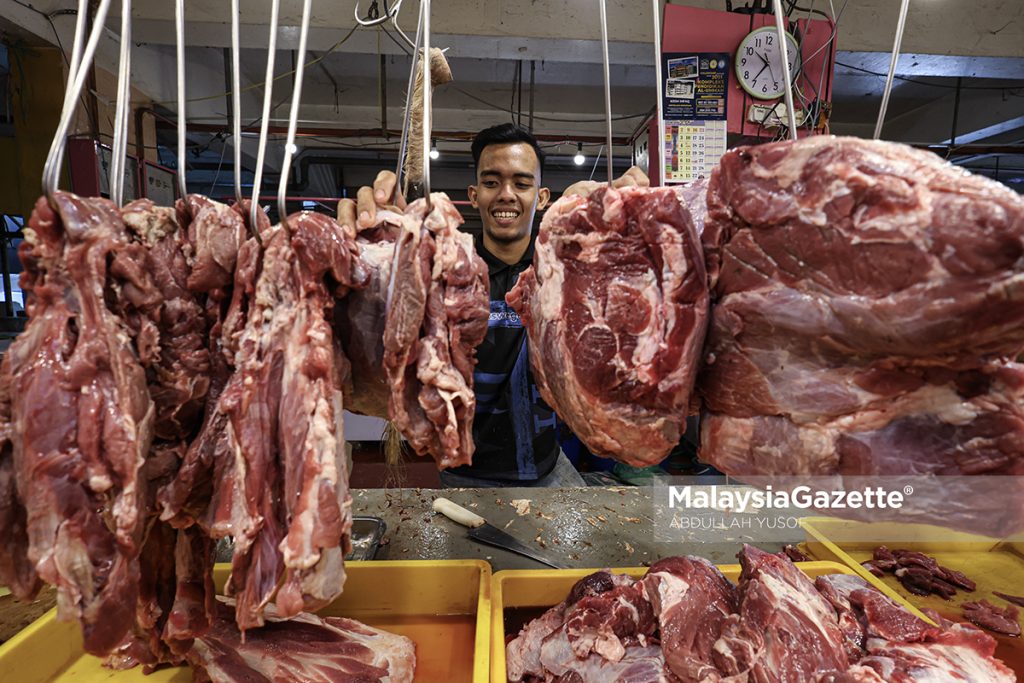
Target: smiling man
(513, 428)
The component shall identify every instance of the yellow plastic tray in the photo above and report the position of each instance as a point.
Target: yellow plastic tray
(443, 606)
(993, 564)
(538, 589)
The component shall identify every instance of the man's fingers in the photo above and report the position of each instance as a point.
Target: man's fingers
(384, 187)
(366, 206)
(347, 213)
(583, 188)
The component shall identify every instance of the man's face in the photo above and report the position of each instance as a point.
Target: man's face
(507, 190)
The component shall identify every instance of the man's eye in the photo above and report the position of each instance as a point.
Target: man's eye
(523, 186)
(490, 183)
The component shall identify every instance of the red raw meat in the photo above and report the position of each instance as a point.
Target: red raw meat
(863, 321)
(615, 307)
(436, 317)
(306, 648)
(81, 421)
(692, 600)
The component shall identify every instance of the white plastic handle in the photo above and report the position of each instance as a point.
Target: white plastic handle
(458, 514)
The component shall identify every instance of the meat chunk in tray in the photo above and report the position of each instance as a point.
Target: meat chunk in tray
(776, 626)
(305, 648)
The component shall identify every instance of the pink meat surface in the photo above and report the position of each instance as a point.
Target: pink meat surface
(615, 307)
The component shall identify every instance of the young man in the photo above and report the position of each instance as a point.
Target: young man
(513, 429)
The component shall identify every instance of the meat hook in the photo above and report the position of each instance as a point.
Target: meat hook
(179, 38)
(786, 75)
(659, 154)
(268, 88)
(403, 145)
(77, 73)
(900, 25)
(119, 147)
(293, 115)
(607, 87)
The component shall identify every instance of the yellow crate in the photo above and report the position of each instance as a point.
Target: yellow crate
(444, 606)
(543, 588)
(993, 564)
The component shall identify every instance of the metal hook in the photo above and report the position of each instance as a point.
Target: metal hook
(179, 34)
(659, 157)
(119, 147)
(427, 95)
(607, 87)
(268, 87)
(403, 146)
(900, 25)
(76, 81)
(781, 31)
(236, 105)
(293, 115)
(389, 14)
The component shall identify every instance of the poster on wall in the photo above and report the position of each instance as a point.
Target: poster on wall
(695, 108)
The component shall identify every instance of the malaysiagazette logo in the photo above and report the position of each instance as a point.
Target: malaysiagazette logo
(749, 500)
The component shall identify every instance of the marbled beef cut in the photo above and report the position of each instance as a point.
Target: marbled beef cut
(615, 307)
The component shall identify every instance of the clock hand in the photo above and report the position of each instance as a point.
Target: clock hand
(759, 72)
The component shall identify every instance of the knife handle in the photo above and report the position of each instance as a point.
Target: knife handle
(457, 513)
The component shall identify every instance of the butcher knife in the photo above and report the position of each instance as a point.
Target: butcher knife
(482, 532)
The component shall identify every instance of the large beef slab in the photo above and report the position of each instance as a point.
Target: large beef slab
(615, 307)
(867, 310)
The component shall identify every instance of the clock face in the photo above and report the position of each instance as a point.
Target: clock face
(759, 63)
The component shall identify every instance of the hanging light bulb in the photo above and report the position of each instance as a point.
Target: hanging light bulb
(434, 153)
(579, 159)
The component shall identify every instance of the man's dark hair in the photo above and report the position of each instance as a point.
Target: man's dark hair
(504, 134)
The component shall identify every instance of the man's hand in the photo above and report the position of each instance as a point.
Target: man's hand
(634, 177)
(362, 213)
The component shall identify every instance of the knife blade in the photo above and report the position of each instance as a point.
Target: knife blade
(482, 532)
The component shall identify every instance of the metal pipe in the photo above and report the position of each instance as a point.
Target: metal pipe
(119, 147)
(659, 155)
(403, 145)
(236, 103)
(781, 30)
(179, 34)
(51, 169)
(900, 25)
(293, 115)
(268, 89)
(607, 87)
(427, 96)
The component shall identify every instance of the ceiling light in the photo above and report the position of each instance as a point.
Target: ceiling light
(579, 158)
(434, 153)
(292, 148)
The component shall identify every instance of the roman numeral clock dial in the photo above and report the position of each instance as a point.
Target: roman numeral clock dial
(759, 63)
